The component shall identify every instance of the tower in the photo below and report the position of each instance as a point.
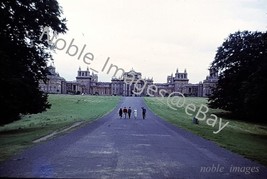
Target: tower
(213, 73)
(180, 80)
(84, 79)
(210, 82)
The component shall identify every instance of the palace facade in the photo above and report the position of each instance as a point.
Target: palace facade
(130, 84)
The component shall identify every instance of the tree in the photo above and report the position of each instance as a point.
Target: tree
(241, 62)
(23, 56)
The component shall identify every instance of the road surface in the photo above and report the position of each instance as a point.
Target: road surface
(129, 148)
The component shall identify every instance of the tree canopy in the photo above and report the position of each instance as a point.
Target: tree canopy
(23, 56)
(241, 62)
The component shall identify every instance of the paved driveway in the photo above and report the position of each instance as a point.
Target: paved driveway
(130, 148)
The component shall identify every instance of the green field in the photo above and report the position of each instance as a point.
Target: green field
(245, 138)
(66, 110)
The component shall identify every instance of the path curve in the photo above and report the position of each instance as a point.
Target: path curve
(129, 148)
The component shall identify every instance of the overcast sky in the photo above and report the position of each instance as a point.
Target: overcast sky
(154, 37)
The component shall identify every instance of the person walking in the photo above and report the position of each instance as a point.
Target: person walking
(129, 112)
(125, 112)
(120, 112)
(144, 112)
(135, 113)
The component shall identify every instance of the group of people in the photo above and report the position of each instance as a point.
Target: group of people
(128, 112)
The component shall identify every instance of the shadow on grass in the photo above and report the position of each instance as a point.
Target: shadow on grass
(234, 117)
(20, 130)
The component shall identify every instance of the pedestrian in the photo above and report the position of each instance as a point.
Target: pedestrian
(125, 112)
(120, 112)
(129, 112)
(135, 113)
(144, 112)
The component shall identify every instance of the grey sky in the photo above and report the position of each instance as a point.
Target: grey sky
(154, 37)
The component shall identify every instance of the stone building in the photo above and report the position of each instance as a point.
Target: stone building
(209, 83)
(54, 84)
(129, 84)
(87, 83)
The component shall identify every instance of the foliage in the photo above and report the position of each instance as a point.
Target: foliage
(23, 56)
(242, 65)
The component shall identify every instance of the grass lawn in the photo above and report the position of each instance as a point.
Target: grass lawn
(65, 111)
(244, 138)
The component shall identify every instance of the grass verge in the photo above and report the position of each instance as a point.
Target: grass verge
(244, 138)
(65, 111)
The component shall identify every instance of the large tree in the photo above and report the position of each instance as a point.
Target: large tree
(23, 56)
(242, 65)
